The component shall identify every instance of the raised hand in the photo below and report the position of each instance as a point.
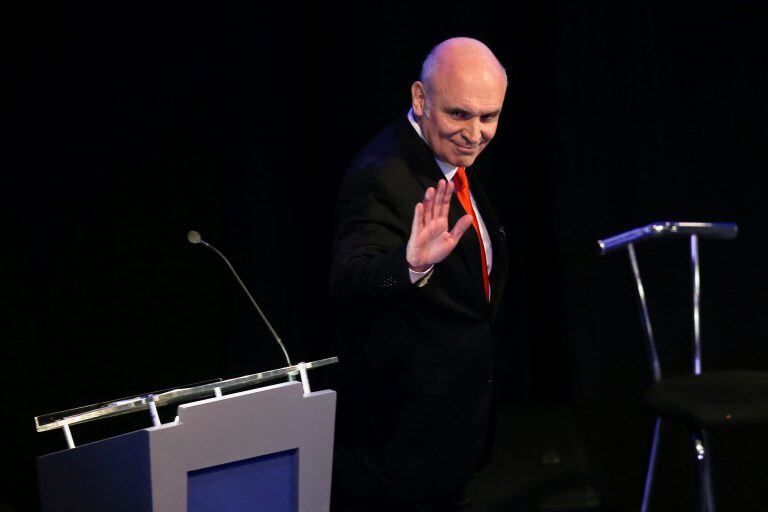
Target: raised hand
(431, 241)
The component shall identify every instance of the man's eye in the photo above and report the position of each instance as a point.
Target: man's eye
(458, 114)
(489, 117)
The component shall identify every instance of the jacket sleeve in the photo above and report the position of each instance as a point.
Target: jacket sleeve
(373, 223)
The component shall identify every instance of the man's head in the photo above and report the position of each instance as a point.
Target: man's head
(458, 99)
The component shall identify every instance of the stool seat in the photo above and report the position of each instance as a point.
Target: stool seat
(712, 399)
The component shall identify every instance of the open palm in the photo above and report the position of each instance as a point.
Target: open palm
(431, 241)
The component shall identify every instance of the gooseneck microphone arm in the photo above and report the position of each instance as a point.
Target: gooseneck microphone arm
(195, 238)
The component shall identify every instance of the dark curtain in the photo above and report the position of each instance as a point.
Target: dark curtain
(127, 124)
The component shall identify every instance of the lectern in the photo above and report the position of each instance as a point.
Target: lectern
(262, 449)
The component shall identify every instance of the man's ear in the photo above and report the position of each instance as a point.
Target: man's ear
(418, 98)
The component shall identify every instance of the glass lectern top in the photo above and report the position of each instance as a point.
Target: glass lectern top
(188, 393)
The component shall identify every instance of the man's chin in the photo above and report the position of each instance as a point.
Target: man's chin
(464, 160)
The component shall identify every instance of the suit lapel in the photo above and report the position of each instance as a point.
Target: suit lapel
(469, 245)
(498, 242)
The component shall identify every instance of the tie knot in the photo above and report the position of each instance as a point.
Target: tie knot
(460, 179)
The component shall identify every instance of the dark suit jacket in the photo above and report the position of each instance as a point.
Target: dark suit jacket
(416, 364)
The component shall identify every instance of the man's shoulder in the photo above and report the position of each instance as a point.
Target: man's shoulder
(395, 149)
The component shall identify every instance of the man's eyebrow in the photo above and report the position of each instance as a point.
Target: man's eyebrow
(466, 111)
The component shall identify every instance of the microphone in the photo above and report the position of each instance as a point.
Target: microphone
(195, 238)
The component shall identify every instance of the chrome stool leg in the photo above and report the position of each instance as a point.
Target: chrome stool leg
(705, 494)
(651, 467)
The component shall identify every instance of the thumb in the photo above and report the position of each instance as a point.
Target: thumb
(461, 226)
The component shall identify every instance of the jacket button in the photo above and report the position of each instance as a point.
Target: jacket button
(388, 282)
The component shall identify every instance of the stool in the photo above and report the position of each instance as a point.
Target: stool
(700, 400)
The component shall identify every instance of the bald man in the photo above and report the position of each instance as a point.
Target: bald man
(418, 270)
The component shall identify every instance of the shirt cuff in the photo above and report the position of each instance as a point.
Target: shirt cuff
(421, 278)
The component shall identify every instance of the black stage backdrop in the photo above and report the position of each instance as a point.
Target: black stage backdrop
(131, 123)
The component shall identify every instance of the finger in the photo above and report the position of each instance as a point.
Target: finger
(418, 220)
(446, 206)
(440, 188)
(435, 200)
(439, 198)
(429, 199)
(461, 226)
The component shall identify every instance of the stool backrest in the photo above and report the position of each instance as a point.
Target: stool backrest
(694, 230)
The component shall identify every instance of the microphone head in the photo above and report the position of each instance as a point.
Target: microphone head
(194, 237)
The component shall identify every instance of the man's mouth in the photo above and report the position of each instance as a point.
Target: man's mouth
(467, 150)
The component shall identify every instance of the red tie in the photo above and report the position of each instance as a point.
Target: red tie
(462, 192)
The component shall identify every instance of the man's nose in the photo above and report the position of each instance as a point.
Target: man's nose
(472, 131)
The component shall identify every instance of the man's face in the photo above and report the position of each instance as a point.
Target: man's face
(458, 115)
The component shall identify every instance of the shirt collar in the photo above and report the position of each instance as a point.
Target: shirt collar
(448, 170)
